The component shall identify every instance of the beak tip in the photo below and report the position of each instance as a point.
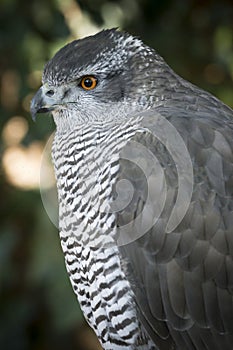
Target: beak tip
(33, 110)
(33, 116)
(36, 103)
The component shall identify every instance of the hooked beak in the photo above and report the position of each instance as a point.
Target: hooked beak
(39, 105)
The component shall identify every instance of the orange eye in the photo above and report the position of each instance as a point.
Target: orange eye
(88, 82)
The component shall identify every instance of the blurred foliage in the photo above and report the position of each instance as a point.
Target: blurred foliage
(38, 309)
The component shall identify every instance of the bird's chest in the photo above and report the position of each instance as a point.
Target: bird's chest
(86, 165)
(86, 168)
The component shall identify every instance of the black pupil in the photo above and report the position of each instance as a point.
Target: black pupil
(88, 82)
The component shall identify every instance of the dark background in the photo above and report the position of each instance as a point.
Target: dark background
(38, 309)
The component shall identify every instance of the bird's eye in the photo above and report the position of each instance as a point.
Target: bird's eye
(88, 82)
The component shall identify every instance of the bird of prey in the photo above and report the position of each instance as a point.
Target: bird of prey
(144, 169)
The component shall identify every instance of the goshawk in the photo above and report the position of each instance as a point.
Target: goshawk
(144, 169)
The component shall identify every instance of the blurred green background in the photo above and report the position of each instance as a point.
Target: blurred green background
(38, 309)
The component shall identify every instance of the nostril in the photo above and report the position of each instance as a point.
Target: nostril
(50, 93)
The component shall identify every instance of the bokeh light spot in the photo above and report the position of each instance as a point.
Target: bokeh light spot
(22, 165)
(27, 102)
(14, 130)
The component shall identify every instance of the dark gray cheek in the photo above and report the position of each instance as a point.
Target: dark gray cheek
(113, 90)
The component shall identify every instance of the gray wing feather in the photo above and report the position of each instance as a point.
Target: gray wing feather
(183, 281)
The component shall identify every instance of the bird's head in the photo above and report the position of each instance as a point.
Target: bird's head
(101, 77)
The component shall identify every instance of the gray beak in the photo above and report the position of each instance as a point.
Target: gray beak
(38, 104)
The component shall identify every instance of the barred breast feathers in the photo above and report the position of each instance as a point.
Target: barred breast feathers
(86, 164)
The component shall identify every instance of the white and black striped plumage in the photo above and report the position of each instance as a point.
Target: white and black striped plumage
(161, 289)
